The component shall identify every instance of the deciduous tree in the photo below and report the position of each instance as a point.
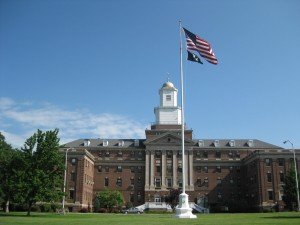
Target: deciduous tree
(109, 199)
(11, 173)
(43, 167)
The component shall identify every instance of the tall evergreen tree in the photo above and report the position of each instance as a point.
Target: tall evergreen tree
(43, 167)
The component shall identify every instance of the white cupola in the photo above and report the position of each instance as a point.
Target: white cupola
(168, 111)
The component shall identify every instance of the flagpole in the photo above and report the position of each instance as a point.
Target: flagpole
(183, 210)
(182, 111)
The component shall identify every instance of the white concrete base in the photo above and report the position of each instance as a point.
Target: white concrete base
(183, 210)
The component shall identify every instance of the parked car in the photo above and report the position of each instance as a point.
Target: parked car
(133, 210)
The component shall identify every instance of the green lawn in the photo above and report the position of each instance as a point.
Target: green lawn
(163, 219)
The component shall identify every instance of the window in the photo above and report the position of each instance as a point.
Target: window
(73, 161)
(131, 197)
(73, 176)
(132, 169)
(105, 143)
(139, 197)
(268, 162)
(132, 181)
(99, 168)
(119, 182)
(200, 143)
(180, 168)
(106, 181)
(158, 169)
(136, 143)
(218, 169)
(281, 162)
(157, 154)
(219, 181)
(71, 194)
(231, 143)
(198, 169)
(269, 177)
(216, 143)
(270, 194)
(205, 168)
(198, 154)
(231, 180)
(139, 181)
(106, 168)
(198, 182)
(205, 154)
(107, 154)
(121, 143)
(132, 154)
(218, 154)
(180, 183)
(168, 97)
(250, 143)
(120, 154)
(169, 154)
(157, 182)
(119, 168)
(169, 168)
(206, 182)
(169, 182)
(281, 177)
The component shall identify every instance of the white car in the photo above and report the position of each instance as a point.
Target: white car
(133, 210)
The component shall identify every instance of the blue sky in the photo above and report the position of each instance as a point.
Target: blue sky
(93, 68)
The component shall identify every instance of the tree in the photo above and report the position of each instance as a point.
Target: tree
(109, 199)
(43, 165)
(11, 173)
(173, 198)
(290, 193)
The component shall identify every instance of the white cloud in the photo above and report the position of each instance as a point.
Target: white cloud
(19, 120)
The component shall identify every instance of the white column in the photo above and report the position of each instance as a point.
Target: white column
(147, 171)
(175, 170)
(163, 169)
(152, 164)
(191, 172)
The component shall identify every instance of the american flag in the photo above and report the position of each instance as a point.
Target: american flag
(198, 44)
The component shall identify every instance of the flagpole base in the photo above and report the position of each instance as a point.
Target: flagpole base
(183, 211)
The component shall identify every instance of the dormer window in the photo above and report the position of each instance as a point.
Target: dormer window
(200, 143)
(231, 143)
(168, 97)
(136, 143)
(86, 143)
(121, 143)
(216, 143)
(105, 143)
(250, 143)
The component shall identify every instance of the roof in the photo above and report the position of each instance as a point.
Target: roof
(234, 143)
(202, 143)
(125, 143)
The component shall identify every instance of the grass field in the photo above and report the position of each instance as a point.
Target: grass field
(289, 218)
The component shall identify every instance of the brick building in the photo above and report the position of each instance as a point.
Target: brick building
(219, 173)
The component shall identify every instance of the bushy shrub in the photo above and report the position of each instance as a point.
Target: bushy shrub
(84, 210)
(102, 210)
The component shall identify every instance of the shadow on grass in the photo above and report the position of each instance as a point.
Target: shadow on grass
(281, 217)
(25, 215)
